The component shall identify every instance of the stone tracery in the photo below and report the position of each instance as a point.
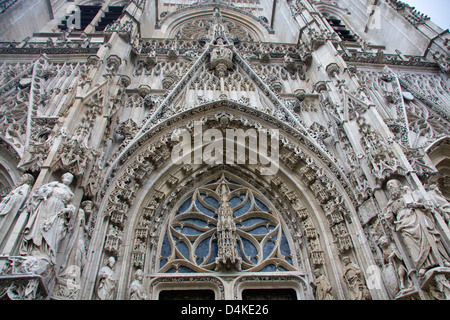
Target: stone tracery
(240, 224)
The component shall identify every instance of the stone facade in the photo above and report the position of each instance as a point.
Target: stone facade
(96, 97)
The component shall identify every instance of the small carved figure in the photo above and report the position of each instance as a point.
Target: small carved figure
(15, 199)
(107, 281)
(355, 281)
(323, 286)
(77, 255)
(394, 266)
(137, 291)
(221, 58)
(13, 202)
(439, 202)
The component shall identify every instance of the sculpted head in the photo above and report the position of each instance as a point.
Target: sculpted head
(26, 179)
(111, 262)
(346, 260)
(383, 242)
(67, 178)
(220, 41)
(139, 275)
(87, 206)
(394, 188)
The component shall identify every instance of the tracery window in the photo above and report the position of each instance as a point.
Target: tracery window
(223, 226)
(196, 28)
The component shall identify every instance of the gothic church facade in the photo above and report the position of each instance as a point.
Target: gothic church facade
(116, 175)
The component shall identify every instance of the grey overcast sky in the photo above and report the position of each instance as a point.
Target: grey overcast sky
(437, 10)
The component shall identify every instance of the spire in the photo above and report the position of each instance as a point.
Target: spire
(218, 28)
(227, 257)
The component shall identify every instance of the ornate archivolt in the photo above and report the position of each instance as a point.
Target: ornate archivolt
(310, 206)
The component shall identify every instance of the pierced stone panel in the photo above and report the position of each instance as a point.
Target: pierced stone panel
(197, 28)
(224, 226)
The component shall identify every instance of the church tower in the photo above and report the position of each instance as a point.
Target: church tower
(223, 150)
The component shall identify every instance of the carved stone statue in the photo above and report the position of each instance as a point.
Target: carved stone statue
(417, 229)
(13, 202)
(355, 281)
(107, 281)
(440, 202)
(221, 51)
(69, 281)
(77, 255)
(394, 270)
(221, 58)
(49, 212)
(323, 286)
(137, 291)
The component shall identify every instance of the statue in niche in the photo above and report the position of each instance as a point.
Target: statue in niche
(88, 207)
(50, 211)
(355, 281)
(413, 223)
(221, 58)
(69, 281)
(77, 255)
(13, 202)
(81, 136)
(107, 281)
(221, 51)
(137, 291)
(323, 286)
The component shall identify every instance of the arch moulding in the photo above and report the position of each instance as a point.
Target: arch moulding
(308, 190)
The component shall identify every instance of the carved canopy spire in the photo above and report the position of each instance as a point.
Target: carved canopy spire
(228, 257)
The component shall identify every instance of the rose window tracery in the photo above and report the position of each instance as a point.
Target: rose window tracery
(197, 28)
(224, 226)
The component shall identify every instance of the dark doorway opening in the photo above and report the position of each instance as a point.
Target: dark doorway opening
(187, 295)
(269, 294)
